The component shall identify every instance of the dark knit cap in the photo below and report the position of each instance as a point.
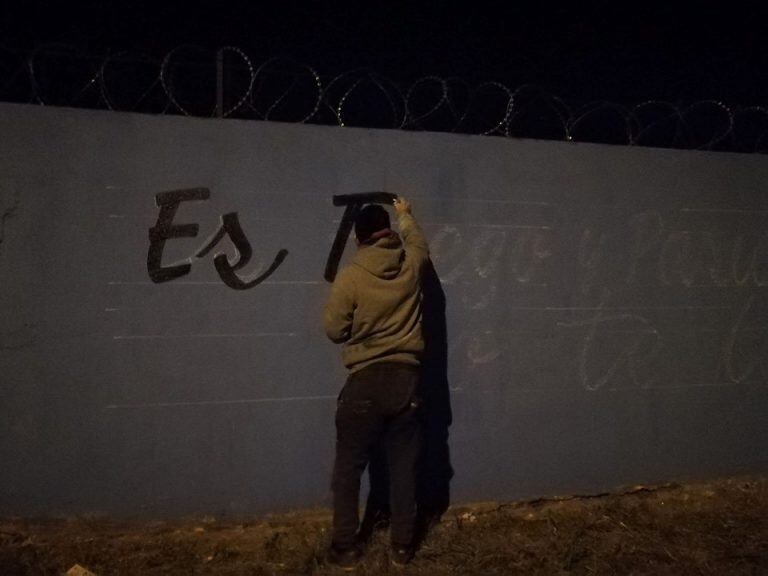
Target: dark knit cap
(371, 219)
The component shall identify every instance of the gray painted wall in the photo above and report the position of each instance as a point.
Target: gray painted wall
(606, 311)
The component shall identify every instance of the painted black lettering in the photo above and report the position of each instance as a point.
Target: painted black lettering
(230, 226)
(164, 229)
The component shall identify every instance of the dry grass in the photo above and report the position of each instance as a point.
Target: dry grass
(719, 528)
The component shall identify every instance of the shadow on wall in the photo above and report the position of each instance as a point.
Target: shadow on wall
(435, 471)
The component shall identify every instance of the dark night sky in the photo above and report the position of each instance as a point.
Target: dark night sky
(625, 53)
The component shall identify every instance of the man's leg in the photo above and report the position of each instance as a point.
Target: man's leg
(377, 513)
(357, 425)
(403, 442)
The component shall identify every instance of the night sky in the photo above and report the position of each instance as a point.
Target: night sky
(626, 52)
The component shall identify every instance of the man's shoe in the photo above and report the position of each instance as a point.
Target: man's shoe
(401, 555)
(345, 558)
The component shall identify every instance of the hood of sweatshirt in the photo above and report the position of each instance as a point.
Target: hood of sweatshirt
(383, 258)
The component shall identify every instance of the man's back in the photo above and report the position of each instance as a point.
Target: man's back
(374, 308)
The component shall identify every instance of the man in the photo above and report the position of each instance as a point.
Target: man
(375, 311)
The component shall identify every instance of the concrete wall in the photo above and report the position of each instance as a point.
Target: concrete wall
(605, 310)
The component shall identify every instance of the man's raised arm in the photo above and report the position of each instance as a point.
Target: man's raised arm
(413, 238)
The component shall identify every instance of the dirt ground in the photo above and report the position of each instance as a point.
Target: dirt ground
(718, 528)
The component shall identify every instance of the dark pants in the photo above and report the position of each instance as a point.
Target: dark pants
(378, 406)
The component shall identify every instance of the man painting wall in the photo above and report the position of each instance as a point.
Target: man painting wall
(375, 311)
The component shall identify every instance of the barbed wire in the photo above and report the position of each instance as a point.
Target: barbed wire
(227, 83)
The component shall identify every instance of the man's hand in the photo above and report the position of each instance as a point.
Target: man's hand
(402, 206)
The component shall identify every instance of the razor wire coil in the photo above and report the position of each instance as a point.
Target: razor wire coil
(227, 83)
